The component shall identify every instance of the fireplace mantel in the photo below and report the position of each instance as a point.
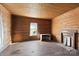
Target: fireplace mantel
(69, 37)
(41, 36)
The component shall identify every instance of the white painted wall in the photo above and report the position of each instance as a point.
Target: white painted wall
(0, 31)
(5, 28)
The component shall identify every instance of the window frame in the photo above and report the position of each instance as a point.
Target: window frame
(31, 28)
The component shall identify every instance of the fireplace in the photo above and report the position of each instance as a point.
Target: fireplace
(45, 37)
(67, 41)
(68, 38)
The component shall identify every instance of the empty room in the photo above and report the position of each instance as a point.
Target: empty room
(39, 29)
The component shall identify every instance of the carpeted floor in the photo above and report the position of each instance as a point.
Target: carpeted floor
(38, 48)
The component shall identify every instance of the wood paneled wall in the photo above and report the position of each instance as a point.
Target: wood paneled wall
(21, 27)
(40, 10)
(67, 20)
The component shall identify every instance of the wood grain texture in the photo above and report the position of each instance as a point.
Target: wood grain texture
(68, 20)
(21, 28)
(39, 10)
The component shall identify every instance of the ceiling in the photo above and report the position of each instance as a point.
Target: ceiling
(39, 10)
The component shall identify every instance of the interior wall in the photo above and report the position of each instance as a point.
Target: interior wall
(67, 20)
(6, 27)
(21, 28)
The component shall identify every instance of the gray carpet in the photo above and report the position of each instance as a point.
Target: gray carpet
(38, 48)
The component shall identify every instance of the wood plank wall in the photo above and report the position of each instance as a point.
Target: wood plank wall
(68, 20)
(21, 27)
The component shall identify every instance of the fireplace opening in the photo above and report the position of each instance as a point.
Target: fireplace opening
(69, 38)
(67, 41)
(45, 37)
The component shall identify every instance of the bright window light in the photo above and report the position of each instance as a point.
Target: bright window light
(33, 29)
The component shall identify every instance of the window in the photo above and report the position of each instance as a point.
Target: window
(33, 29)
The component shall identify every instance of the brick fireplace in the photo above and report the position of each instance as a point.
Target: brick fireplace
(69, 38)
